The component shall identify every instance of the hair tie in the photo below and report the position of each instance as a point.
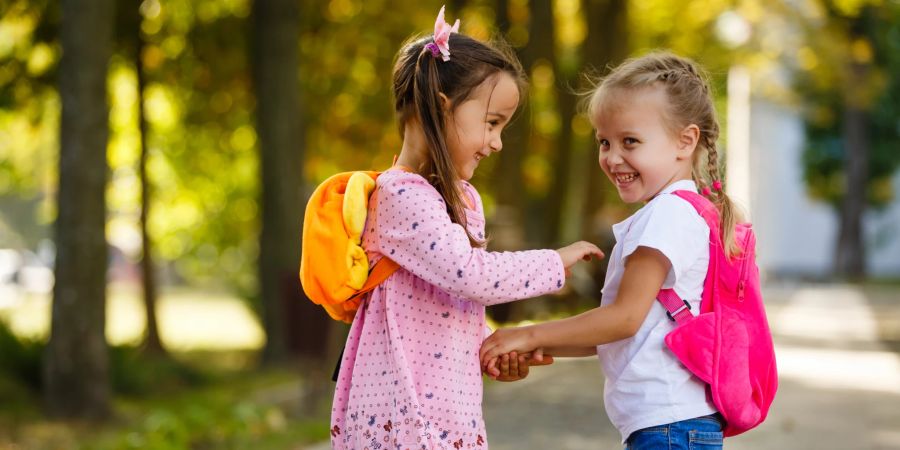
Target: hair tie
(705, 191)
(717, 185)
(441, 45)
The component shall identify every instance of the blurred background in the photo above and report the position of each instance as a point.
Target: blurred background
(156, 157)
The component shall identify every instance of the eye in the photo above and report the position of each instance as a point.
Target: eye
(630, 141)
(493, 123)
(604, 144)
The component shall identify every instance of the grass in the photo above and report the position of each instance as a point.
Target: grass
(209, 395)
(233, 412)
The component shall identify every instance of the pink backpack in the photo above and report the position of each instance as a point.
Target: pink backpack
(728, 345)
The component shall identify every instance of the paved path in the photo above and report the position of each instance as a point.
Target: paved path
(838, 351)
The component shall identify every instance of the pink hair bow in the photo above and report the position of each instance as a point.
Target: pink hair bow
(442, 30)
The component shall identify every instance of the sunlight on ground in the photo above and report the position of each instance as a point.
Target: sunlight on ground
(835, 316)
(189, 319)
(840, 369)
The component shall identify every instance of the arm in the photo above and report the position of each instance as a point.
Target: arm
(571, 351)
(645, 271)
(415, 230)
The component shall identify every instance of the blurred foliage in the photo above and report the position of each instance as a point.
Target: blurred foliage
(233, 413)
(860, 33)
(132, 372)
(162, 404)
(199, 104)
(20, 359)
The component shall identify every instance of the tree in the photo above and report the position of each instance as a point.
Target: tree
(276, 26)
(606, 45)
(76, 371)
(133, 45)
(851, 109)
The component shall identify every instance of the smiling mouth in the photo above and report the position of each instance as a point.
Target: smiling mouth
(479, 157)
(625, 178)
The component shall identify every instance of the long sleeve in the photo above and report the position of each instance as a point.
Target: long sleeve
(414, 229)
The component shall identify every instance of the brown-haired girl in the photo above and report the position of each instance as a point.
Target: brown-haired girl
(410, 376)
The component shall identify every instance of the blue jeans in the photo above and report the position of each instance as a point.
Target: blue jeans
(700, 433)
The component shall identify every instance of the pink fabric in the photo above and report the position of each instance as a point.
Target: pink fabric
(410, 377)
(729, 345)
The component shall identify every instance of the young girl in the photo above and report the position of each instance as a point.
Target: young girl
(656, 129)
(410, 376)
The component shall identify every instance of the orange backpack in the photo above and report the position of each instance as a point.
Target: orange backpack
(334, 268)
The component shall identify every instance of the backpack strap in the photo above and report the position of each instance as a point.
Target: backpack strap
(678, 309)
(384, 268)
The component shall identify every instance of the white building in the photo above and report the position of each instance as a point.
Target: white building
(796, 235)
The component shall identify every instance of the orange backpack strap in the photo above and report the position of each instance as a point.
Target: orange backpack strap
(384, 268)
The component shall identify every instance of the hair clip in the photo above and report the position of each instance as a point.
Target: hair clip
(441, 45)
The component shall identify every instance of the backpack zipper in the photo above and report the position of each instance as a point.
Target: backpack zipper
(743, 275)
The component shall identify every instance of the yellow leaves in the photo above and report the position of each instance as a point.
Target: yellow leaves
(244, 138)
(807, 58)
(852, 8)
(861, 51)
(161, 107)
(41, 58)
(152, 57)
(343, 10)
(570, 25)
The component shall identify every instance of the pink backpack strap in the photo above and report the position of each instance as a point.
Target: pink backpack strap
(678, 309)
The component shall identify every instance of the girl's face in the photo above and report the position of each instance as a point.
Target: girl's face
(474, 132)
(638, 153)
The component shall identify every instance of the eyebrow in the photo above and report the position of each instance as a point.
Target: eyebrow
(500, 115)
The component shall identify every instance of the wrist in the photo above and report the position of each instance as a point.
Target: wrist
(532, 337)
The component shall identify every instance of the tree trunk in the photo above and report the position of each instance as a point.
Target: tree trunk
(76, 366)
(850, 255)
(275, 53)
(508, 184)
(152, 343)
(606, 44)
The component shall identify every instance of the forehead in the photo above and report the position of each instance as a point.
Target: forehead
(629, 108)
(499, 92)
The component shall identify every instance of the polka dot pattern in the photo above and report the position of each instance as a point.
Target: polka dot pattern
(410, 376)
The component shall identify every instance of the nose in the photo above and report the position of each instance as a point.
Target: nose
(496, 143)
(612, 156)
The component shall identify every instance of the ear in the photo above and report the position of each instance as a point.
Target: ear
(445, 102)
(687, 141)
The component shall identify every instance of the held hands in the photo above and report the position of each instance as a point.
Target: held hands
(578, 251)
(514, 366)
(506, 341)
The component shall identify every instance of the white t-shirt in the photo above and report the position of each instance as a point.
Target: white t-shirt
(646, 385)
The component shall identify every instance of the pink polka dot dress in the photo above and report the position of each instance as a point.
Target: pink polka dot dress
(410, 376)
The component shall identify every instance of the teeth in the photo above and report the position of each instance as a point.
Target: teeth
(626, 177)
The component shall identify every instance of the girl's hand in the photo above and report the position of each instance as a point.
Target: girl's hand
(515, 367)
(579, 251)
(504, 341)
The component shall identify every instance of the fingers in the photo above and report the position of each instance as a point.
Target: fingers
(538, 354)
(504, 366)
(513, 364)
(522, 366)
(492, 370)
